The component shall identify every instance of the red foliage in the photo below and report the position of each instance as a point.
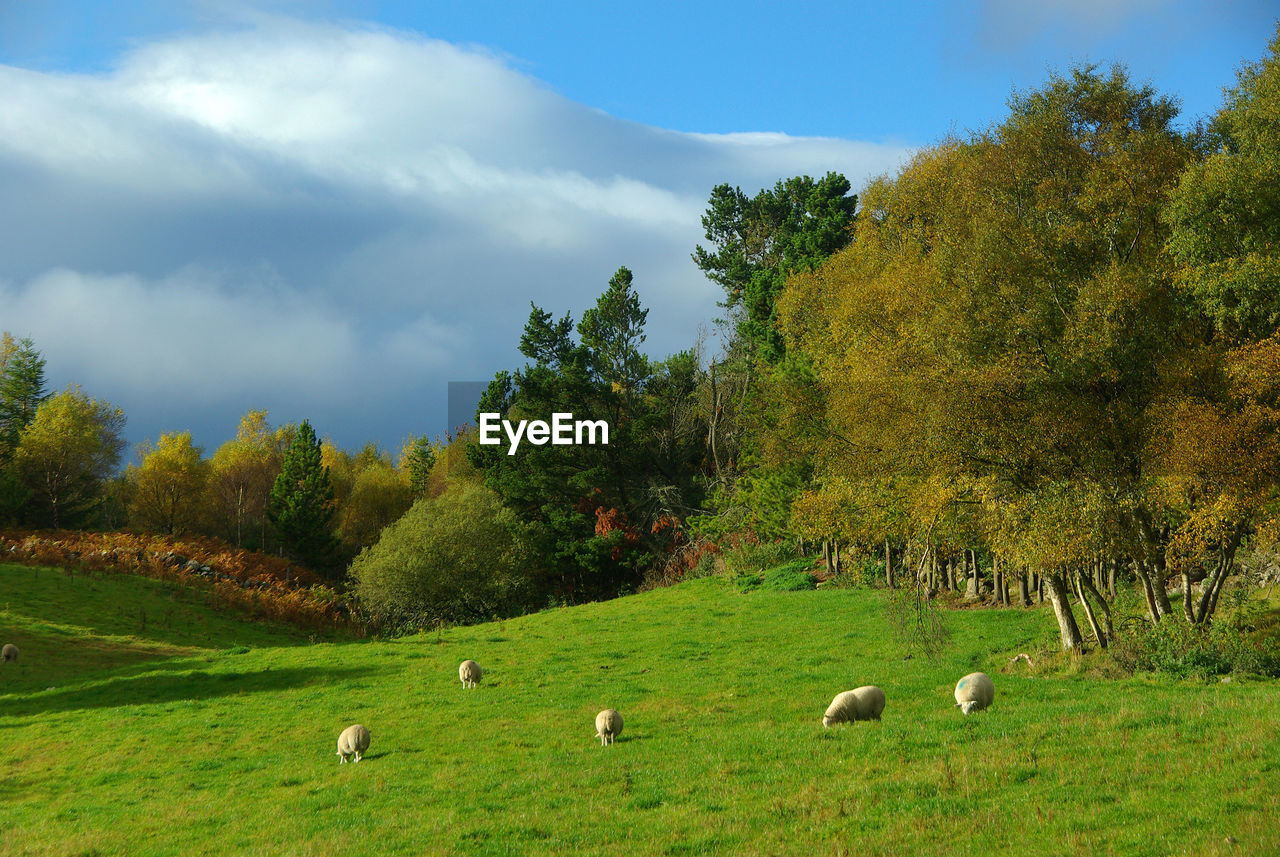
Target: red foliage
(267, 587)
(609, 521)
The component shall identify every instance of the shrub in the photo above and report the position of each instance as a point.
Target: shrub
(1238, 641)
(791, 577)
(459, 557)
(688, 561)
(267, 587)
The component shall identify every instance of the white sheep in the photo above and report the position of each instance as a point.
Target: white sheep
(974, 692)
(8, 653)
(470, 673)
(608, 726)
(863, 703)
(353, 741)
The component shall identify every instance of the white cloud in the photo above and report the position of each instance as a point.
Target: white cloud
(405, 197)
(186, 335)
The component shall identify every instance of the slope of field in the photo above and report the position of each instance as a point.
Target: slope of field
(193, 734)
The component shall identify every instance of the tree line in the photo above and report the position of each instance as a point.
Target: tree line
(275, 489)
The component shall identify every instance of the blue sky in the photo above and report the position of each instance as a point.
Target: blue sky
(330, 210)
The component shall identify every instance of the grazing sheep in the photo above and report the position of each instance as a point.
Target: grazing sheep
(608, 726)
(353, 741)
(470, 673)
(8, 653)
(974, 692)
(863, 703)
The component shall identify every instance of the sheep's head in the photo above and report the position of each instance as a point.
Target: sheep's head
(968, 707)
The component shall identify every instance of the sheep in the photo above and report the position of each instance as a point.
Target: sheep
(974, 692)
(8, 653)
(863, 703)
(608, 726)
(470, 673)
(353, 741)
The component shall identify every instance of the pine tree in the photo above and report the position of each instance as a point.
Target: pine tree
(416, 460)
(21, 390)
(302, 504)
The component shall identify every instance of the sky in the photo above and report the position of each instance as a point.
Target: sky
(332, 210)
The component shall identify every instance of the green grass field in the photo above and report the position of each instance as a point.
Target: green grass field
(138, 722)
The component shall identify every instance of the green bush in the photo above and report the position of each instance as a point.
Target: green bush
(791, 577)
(460, 557)
(1236, 642)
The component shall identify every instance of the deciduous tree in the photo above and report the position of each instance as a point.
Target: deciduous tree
(70, 447)
(168, 484)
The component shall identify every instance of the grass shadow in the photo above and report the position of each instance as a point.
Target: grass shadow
(151, 689)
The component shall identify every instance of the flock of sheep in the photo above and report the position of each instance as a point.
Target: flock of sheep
(973, 693)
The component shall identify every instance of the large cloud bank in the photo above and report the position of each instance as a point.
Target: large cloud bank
(334, 222)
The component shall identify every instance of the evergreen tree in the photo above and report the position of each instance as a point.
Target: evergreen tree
(21, 390)
(757, 242)
(302, 504)
(416, 461)
(597, 515)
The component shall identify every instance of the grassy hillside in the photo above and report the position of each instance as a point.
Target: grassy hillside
(197, 735)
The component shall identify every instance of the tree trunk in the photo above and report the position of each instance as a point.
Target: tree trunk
(1058, 594)
(1186, 598)
(1081, 580)
(1106, 609)
(888, 565)
(1111, 578)
(1024, 591)
(1153, 609)
(1213, 583)
(1160, 583)
(835, 553)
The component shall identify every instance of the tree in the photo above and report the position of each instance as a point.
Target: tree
(70, 447)
(1225, 211)
(989, 349)
(459, 557)
(757, 242)
(372, 495)
(612, 332)
(302, 505)
(242, 473)
(168, 484)
(21, 390)
(598, 514)
(417, 458)
(1215, 449)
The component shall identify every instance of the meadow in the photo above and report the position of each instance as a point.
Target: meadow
(139, 721)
